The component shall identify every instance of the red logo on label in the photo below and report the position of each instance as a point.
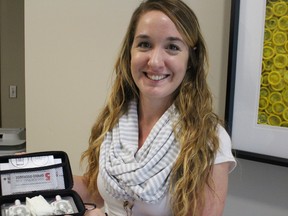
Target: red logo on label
(47, 176)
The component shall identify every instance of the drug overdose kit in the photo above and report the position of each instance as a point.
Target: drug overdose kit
(38, 184)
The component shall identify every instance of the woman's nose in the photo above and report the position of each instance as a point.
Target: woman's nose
(156, 59)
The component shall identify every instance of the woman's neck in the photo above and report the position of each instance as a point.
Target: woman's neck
(149, 112)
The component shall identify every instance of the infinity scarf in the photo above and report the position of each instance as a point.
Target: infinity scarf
(132, 174)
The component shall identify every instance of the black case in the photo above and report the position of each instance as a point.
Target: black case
(8, 199)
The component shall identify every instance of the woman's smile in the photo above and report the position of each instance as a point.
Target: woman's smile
(155, 77)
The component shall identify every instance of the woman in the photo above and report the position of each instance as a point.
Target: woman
(157, 148)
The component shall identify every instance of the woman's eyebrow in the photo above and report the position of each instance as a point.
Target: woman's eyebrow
(142, 36)
(172, 39)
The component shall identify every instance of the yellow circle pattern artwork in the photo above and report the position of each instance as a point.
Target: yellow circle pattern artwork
(273, 97)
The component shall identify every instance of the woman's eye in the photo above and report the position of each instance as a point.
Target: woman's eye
(144, 45)
(173, 47)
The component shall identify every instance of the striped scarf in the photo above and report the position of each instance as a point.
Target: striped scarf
(132, 174)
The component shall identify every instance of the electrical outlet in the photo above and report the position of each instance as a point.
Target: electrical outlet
(12, 91)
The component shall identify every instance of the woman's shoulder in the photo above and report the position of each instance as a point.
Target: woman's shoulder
(224, 153)
(223, 134)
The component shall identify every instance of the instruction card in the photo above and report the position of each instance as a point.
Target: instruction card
(38, 180)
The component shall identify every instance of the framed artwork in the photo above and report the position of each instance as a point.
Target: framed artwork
(257, 84)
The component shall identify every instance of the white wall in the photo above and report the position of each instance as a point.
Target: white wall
(70, 51)
(257, 189)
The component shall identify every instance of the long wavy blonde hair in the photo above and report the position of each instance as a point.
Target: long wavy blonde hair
(198, 135)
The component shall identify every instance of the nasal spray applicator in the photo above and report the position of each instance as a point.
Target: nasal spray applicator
(18, 209)
(62, 206)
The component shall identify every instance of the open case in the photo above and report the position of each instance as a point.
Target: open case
(27, 179)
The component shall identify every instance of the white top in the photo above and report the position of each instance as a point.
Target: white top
(114, 207)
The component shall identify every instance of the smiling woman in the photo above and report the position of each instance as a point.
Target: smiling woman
(157, 147)
(68, 59)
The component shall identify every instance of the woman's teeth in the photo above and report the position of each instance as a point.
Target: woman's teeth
(156, 77)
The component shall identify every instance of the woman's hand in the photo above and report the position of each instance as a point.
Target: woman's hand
(80, 186)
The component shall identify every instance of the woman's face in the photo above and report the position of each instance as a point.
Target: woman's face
(159, 56)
